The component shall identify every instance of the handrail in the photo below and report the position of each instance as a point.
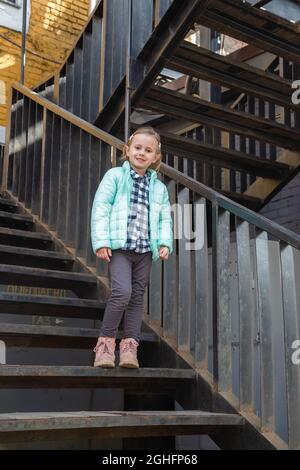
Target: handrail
(216, 198)
(72, 118)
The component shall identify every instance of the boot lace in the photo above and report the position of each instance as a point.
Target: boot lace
(129, 345)
(105, 345)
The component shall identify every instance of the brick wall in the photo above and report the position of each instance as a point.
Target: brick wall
(53, 28)
(285, 206)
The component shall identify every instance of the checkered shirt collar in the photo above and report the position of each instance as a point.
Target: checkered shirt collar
(136, 176)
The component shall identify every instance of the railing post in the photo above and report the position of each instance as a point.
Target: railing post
(291, 336)
(202, 289)
(215, 336)
(37, 162)
(223, 302)
(265, 318)
(47, 165)
(102, 58)
(9, 138)
(128, 78)
(184, 274)
(246, 313)
(221, 322)
(170, 277)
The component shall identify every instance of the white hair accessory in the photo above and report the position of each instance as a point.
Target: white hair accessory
(132, 135)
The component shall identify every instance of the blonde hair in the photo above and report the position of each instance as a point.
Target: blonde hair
(149, 131)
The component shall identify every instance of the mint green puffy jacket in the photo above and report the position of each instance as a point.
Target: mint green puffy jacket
(111, 208)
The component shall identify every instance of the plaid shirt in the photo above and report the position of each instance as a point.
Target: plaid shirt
(138, 219)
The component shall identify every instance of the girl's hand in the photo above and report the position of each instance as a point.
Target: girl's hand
(164, 252)
(104, 253)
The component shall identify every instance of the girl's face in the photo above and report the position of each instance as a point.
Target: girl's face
(142, 152)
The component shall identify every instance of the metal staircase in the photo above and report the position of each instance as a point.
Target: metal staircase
(248, 110)
(214, 338)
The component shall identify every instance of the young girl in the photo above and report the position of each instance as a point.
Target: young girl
(131, 226)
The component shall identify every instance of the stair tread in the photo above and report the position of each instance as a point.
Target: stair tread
(251, 202)
(194, 109)
(21, 217)
(29, 421)
(53, 274)
(45, 376)
(248, 72)
(233, 159)
(17, 250)
(44, 299)
(8, 202)
(69, 307)
(205, 64)
(38, 371)
(25, 234)
(78, 333)
(261, 28)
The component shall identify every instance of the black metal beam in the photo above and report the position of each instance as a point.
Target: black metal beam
(254, 26)
(219, 156)
(207, 65)
(204, 112)
(165, 38)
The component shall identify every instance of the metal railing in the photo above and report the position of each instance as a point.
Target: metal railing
(229, 303)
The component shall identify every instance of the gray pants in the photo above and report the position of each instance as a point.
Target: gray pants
(129, 274)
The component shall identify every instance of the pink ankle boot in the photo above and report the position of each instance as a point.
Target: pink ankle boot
(105, 352)
(128, 353)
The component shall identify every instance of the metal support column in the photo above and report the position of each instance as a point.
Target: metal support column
(128, 62)
(23, 50)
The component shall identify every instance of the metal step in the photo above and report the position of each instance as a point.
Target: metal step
(8, 206)
(222, 157)
(56, 336)
(204, 112)
(35, 258)
(252, 202)
(51, 306)
(24, 376)
(261, 28)
(17, 221)
(54, 425)
(9, 236)
(202, 63)
(35, 277)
